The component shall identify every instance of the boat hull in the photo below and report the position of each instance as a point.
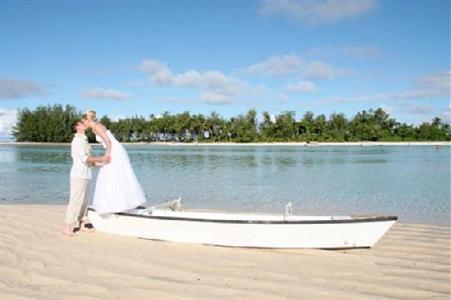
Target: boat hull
(260, 233)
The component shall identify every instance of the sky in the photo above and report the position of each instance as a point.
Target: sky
(125, 58)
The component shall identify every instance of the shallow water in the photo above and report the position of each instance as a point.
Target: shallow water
(412, 182)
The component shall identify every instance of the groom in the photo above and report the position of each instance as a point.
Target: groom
(80, 174)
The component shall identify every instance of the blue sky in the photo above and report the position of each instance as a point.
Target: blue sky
(123, 58)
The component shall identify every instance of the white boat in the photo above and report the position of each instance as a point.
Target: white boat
(170, 223)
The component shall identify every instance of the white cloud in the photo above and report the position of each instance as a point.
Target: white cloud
(387, 109)
(406, 95)
(301, 87)
(446, 114)
(277, 66)
(291, 64)
(215, 86)
(159, 73)
(431, 86)
(216, 98)
(272, 118)
(438, 82)
(16, 89)
(317, 12)
(103, 94)
(8, 118)
(418, 109)
(317, 70)
(283, 98)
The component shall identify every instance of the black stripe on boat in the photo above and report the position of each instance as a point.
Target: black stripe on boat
(331, 221)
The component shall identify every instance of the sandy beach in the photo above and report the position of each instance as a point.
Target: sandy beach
(411, 261)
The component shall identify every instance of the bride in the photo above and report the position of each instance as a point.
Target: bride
(117, 188)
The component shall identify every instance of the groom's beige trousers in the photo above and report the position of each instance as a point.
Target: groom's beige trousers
(78, 202)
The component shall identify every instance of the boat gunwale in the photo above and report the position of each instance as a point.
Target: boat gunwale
(354, 219)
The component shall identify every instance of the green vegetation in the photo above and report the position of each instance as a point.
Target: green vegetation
(52, 124)
(45, 124)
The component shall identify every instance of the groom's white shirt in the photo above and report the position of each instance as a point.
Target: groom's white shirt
(80, 151)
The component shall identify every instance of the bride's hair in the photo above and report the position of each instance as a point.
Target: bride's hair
(90, 115)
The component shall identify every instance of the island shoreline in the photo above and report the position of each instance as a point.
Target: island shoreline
(306, 144)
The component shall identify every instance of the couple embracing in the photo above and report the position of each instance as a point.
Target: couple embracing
(117, 188)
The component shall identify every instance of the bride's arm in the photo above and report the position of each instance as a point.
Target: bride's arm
(101, 131)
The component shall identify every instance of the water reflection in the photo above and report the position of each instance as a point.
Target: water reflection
(8, 156)
(43, 155)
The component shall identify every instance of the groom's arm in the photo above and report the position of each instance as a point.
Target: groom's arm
(79, 153)
(98, 159)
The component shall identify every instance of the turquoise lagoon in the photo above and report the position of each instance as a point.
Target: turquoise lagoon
(412, 182)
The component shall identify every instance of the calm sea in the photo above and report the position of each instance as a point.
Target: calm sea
(412, 182)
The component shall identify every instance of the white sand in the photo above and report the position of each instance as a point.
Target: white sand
(38, 262)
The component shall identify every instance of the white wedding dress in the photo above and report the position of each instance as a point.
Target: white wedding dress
(117, 188)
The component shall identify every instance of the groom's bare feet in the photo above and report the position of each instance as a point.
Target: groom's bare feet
(68, 230)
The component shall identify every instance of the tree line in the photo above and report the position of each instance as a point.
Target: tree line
(52, 123)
